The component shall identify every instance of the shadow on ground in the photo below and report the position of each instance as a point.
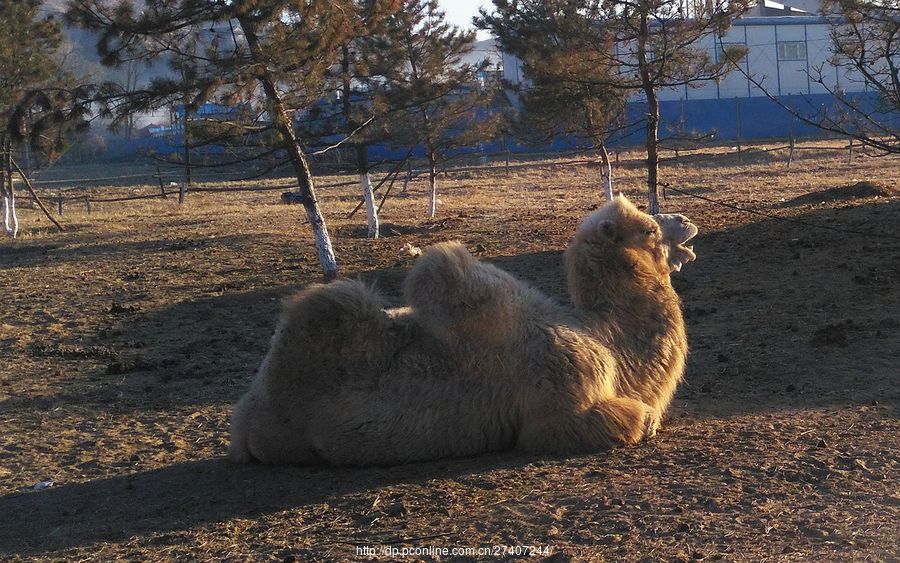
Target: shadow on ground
(85, 248)
(189, 494)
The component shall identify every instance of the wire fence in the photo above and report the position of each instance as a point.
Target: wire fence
(491, 165)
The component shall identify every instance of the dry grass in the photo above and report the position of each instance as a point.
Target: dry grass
(126, 339)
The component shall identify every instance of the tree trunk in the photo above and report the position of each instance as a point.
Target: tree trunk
(10, 221)
(187, 149)
(432, 184)
(605, 172)
(652, 115)
(14, 221)
(5, 197)
(371, 210)
(3, 194)
(305, 187)
(407, 178)
(365, 183)
(653, 152)
(362, 151)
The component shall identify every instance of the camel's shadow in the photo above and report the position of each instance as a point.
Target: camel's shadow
(185, 495)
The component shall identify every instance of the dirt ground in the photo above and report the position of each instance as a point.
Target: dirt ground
(125, 340)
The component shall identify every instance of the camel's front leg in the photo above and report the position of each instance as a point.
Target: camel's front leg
(601, 426)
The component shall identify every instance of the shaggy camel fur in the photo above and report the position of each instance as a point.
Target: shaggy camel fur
(479, 361)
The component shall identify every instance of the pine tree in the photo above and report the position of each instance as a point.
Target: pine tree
(434, 96)
(566, 63)
(27, 62)
(271, 52)
(359, 111)
(641, 46)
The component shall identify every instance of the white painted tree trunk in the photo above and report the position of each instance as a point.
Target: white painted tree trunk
(324, 249)
(432, 187)
(13, 220)
(432, 197)
(5, 211)
(10, 221)
(365, 183)
(606, 173)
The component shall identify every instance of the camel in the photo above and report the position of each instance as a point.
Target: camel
(478, 361)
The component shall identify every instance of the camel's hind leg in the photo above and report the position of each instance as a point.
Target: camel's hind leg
(601, 426)
(327, 335)
(455, 296)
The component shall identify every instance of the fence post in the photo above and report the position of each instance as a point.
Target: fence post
(792, 143)
(187, 148)
(791, 153)
(181, 189)
(87, 202)
(408, 176)
(59, 204)
(850, 152)
(162, 190)
(737, 114)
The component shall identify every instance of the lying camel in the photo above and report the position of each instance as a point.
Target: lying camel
(479, 361)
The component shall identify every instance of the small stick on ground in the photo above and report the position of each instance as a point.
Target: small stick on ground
(35, 196)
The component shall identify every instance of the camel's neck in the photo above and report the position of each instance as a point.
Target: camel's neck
(636, 312)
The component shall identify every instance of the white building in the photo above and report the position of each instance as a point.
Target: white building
(785, 56)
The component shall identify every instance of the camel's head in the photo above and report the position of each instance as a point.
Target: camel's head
(677, 230)
(662, 237)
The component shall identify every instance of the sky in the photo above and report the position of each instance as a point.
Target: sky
(460, 12)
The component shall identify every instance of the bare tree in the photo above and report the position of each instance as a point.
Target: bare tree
(131, 81)
(866, 45)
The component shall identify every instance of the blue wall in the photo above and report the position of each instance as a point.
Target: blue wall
(761, 118)
(162, 147)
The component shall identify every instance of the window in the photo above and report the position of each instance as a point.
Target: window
(792, 50)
